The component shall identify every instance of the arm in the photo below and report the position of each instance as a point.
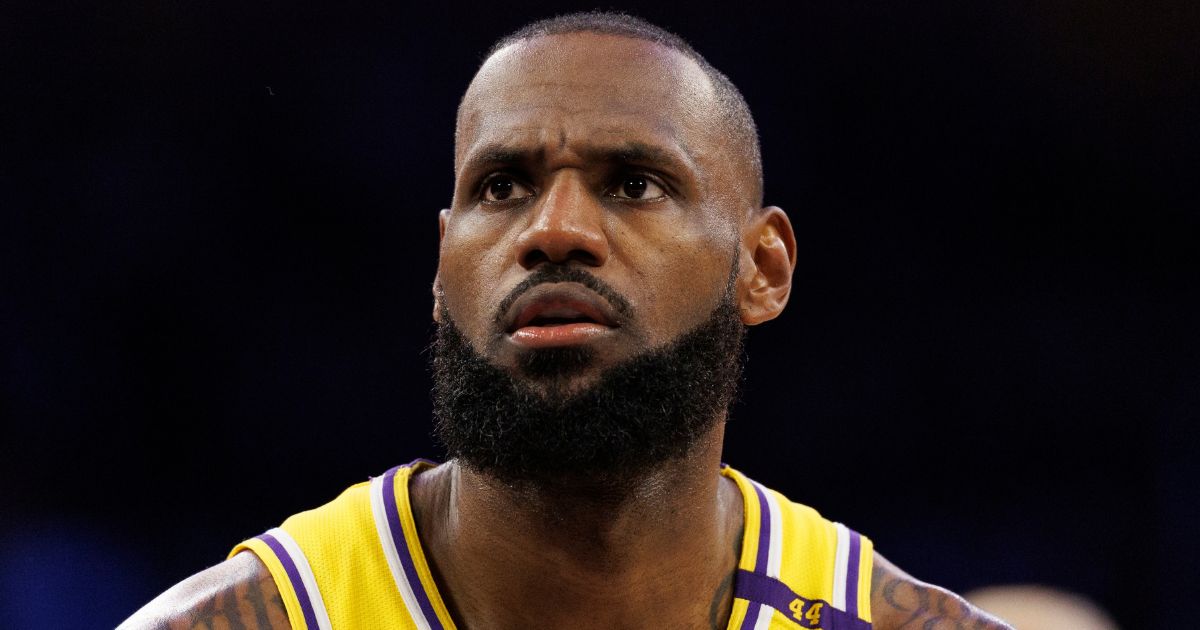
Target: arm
(900, 601)
(238, 594)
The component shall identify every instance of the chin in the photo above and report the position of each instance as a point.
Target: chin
(562, 388)
(563, 362)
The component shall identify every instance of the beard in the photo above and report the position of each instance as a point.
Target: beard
(639, 414)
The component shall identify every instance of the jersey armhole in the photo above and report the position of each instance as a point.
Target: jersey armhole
(287, 592)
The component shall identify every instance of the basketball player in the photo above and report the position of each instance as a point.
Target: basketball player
(605, 250)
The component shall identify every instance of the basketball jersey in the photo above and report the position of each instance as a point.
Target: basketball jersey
(356, 562)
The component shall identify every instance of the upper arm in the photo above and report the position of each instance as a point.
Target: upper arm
(900, 601)
(238, 593)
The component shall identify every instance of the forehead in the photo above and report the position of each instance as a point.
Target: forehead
(585, 88)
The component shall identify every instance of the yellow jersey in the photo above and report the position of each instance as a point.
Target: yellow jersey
(356, 562)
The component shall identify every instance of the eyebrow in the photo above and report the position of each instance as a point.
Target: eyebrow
(631, 152)
(642, 153)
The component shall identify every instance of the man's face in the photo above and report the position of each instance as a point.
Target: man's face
(598, 153)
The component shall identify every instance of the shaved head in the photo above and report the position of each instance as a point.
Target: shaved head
(730, 119)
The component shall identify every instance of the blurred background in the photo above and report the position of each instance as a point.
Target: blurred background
(218, 234)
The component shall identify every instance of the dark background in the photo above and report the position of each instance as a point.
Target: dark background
(218, 236)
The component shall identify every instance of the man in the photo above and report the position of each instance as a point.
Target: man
(605, 249)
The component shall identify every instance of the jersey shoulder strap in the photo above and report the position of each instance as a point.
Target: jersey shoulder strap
(798, 569)
(354, 562)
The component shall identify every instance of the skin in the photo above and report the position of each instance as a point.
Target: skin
(236, 594)
(563, 129)
(567, 120)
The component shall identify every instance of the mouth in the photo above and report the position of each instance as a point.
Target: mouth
(559, 314)
(554, 312)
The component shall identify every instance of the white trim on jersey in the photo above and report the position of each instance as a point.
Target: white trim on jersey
(390, 551)
(775, 516)
(841, 566)
(307, 579)
(765, 613)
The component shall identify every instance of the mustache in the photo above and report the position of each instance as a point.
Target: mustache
(560, 273)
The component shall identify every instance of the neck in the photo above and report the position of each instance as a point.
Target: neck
(664, 542)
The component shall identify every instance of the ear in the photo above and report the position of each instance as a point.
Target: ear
(767, 261)
(443, 216)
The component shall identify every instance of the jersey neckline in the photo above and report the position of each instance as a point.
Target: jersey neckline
(415, 579)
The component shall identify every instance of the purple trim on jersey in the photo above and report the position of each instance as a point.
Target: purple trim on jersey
(289, 566)
(764, 531)
(761, 557)
(852, 563)
(401, 543)
(756, 587)
(752, 612)
(761, 590)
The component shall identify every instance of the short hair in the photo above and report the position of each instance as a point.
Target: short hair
(731, 105)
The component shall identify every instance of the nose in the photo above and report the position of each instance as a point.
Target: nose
(567, 224)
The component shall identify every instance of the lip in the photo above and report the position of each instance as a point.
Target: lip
(558, 314)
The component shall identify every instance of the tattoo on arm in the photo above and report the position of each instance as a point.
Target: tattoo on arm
(254, 596)
(924, 607)
(238, 594)
(231, 603)
(243, 606)
(208, 614)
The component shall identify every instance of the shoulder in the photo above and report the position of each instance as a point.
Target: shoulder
(899, 600)
(239, 592)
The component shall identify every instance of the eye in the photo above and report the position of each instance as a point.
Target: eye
(504, 188)
(637, 187)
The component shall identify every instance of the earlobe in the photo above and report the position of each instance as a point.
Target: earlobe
(443, 216)
(770, 246)
(437, 299)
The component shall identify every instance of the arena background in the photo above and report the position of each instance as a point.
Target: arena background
(219, 232)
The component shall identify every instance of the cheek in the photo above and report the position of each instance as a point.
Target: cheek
(469, 269)
(680, 278)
